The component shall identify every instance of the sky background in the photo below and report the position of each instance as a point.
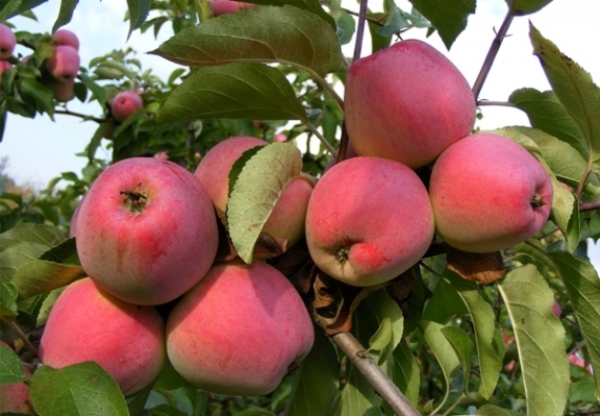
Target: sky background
(40, 149)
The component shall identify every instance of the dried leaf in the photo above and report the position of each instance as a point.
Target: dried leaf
(477, 267)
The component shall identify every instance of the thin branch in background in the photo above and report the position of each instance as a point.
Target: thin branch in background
(14, 327)
(491, 55)
(360, 29)
(589, 206)
(496, 103)
(83, 116)
(380, 382)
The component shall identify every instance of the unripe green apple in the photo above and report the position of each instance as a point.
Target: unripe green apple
(64, 63)
(88, 324)
(369, 219)
(65, 37)
(488, 193)
(408, 103)
(239, 329)
(146, 231)
(124, 104)
(8, 40)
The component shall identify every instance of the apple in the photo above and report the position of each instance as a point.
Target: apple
(369, 219)
(63, 91)
(88, 324)
(219, 7)
(556, 309)
(146, 231)
(15, 397)
(3, 66)
(65, 37)
(279, 138)
(239, 329)
(408, 103)
(124, 104)
(64, 63)
(286, 222)
(8, 41)
(488, 193)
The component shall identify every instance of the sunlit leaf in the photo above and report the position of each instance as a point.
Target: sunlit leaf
(464, 348)
(539, 337)
(269, 34)
(313, 6)
(8, 301)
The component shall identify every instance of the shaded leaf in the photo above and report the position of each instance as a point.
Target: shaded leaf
(493, 410)
(524, 7)
(241, 90)
(42, 276)
(65, 13)
(11, 367)
(444, 305)
(75, 390)
(313, 6)
(270, 34)
(316, 383)
(464, 348)
(449, 18)
(138, 12)
(256, 191)
(405, 373)
(539, 337)
(14, 7)
(8, 301)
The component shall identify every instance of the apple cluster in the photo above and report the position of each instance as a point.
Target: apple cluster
(147, 235)
(408, 109)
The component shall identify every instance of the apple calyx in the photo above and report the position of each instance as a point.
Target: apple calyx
(342, 254)
(135, 201)
(537, 201)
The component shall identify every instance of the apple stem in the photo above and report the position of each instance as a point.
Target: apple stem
(342, 254)
(135, 201)
(493, 51)
(537, 201)
(380, 382)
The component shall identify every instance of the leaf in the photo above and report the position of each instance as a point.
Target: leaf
(583, 286)
(138, 13)
(8, 301)
(492, 410)
(241, 90)
(12, 8)
(24, 243)
(574, 88)
(444, 304)
(317, 381)
(545, 112)
(80, 389)
(524, 7)
(287, 35)
(11, 367)
(65, 13)
(313, 6)
(406, 373)
(98, 92)
(484, 323)
(41, 276)
(464, 348)
(477, 267)
(256, 191)
(357, 396)
(539, 337)
(449, 18)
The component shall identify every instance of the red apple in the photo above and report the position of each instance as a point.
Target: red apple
(239, 329)
(8, 41)
(369, 219)
(124, 104)
(63, 91)
(65, 37)
(3, 66)
(64, 63)
(88, 324)
(488, 193)
(146, 231)
(219, 7)
(15, 397)
(408, 103)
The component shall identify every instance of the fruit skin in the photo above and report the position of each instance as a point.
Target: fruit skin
(369, 219)
(88, 324)
(408, 103)
(8, 41)
(482, 189)
(124, 104)
(63, 91)
(146, 231)
(15, 397)
(239, 330)
(64, 63)
(3, 66)
(65, 37)
(219, 7)
(286, 222)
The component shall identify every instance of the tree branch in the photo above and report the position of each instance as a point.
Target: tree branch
(360, 29)
(374, 375)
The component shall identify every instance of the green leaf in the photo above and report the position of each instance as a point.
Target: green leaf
(524, 7)
(80, 389)
(242, 90)
(256, 191)
(449, 18)
(574, 88)
(583, 286)
(11, 367)
(42, 95)
(493, 410)
(8, 301)
(443, 351)
(313, 6)
(138, 12)
(484, 323)
(12, 8)
(406, 373)
(317, 381)
(346, 28)
(65, 13)
(444, 304)
(545, 112)
(24, 243)
(539, 337)
(41, 276)
(269, 34)
(98, 92)
(464, 348)
(357, 396)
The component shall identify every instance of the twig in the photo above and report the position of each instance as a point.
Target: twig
(491, 55)
(21, 335)
(589, 206)
(374, 375)
(360, 29)
(74, 114)
(496, 103)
